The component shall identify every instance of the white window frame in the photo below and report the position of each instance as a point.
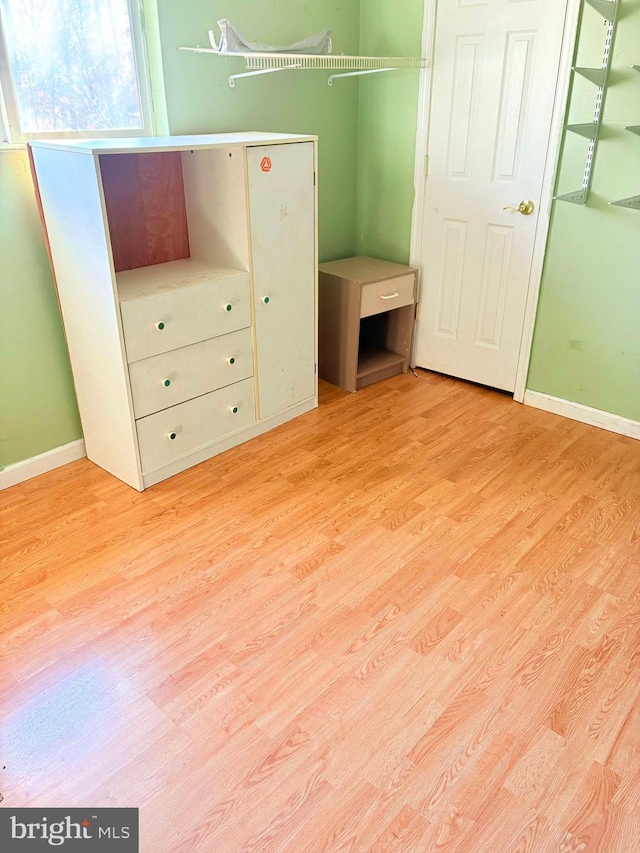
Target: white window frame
(10, 130)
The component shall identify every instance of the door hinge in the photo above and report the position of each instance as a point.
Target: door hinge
(426, 165)
(314, 179)
(417, 315)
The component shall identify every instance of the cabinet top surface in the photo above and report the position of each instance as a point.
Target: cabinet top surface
(173, 275)
(363, 270)
(169, 143)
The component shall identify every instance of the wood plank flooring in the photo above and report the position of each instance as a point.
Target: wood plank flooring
(407, 621)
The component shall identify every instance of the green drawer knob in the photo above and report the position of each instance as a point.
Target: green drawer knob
(234, 410)
(166, 383)
(173, 436)
(228, 306)
(160, 326)
(231, 360)
(265, 299)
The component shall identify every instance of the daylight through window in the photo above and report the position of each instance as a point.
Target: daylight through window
(70, 67)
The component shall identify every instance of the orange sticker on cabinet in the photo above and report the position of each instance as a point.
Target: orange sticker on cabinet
(266, 164)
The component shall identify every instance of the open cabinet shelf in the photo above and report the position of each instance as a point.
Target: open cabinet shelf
(377, 360)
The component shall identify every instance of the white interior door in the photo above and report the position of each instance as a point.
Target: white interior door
(495, 71)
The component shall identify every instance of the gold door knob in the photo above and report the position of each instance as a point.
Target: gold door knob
(525, 207)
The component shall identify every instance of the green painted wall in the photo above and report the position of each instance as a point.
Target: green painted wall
(587, 337)
(199, 99)
(38, 411)
(387, 130)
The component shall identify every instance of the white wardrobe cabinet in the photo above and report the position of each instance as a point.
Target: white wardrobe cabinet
(186, 270)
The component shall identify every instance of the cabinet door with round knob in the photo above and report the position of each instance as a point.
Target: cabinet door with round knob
(282, 215)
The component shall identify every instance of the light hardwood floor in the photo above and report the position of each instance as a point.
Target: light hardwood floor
(407, 621)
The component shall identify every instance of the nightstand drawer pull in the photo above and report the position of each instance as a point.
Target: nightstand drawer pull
(378, 296)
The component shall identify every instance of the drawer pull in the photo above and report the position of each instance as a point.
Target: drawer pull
(228, 306)
(166, 383)
(265, 299)
(231, 360)
(173, 436)
(234, 410)
(391, 296)
(160, 326)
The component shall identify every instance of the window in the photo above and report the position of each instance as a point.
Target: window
(72, 68)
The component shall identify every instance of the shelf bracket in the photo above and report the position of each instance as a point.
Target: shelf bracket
(606, 8)
(589, 129)
(597, 76)
(632, 203)
(578, 197)
(333, 77)
(234, 77)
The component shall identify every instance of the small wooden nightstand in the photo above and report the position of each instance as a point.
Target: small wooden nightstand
(366, 319)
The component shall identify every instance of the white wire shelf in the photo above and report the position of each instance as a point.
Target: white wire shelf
(264, 63)
(332, 63)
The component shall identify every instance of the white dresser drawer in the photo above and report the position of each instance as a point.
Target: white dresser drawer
(183, 316)
(386, 295)
(173, 377)
(176, 432)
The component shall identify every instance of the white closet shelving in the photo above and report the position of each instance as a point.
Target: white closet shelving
(352, 66)
(608, 9)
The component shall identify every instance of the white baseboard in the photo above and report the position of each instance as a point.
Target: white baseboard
(584, 414)
(21, 471)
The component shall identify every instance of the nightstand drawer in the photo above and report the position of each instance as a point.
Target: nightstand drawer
(386, 295)
(183, 316)
(173, 377)
(174, 433)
